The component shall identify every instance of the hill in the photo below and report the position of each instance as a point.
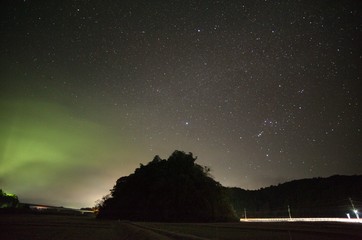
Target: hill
(172, 190)
(316, 197)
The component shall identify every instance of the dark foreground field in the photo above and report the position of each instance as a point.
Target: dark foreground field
(74, 227)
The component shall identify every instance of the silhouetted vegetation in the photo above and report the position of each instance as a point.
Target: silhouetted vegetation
(9, 203)
(317, 197)
(173, 190)
(8, 200)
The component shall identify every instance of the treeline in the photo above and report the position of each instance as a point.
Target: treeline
(179, 190)
(317, 197)
(172, 190)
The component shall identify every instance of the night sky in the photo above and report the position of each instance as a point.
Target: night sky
(262, 92)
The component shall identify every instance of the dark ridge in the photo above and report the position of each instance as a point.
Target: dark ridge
(316, 197)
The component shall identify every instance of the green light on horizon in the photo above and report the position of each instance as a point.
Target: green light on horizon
(50, 153)
(42, 133)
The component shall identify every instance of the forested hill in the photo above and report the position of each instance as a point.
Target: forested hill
(317, 197)
(172, 190)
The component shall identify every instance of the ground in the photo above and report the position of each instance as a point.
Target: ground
(58, 227)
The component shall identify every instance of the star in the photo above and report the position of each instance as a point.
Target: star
(106, 87)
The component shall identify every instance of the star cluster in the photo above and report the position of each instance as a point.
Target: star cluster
(261, 91)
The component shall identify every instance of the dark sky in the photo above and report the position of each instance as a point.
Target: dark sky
(261, 91)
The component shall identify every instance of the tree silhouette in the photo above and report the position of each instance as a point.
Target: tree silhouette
(175, 190)
(8, 200)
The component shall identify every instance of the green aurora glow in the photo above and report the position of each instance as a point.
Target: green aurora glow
(42, 143)
(261, 95)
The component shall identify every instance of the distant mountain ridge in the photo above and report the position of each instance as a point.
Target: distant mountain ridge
(316, 197)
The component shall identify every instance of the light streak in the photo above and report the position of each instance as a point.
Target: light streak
(346, 220)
